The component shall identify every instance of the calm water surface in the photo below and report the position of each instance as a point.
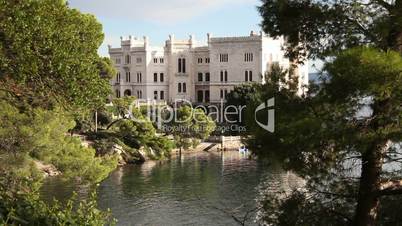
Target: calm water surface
(194, 189)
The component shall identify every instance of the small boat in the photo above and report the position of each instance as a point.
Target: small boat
(243, 150)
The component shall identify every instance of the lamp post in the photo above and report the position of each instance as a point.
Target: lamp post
(222, 137)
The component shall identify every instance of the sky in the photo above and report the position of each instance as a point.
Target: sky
(159, 18)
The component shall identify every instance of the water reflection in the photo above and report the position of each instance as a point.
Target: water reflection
(194, 189)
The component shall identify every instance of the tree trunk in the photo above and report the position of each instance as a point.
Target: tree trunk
(370, 182)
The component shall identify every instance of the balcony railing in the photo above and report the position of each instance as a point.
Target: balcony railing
(182, 74)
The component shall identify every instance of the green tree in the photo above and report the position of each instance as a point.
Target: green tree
(48, 54)
(325, 121)
(325, 137)
(41, 136)
(316, 28)
(20, 204)
(323, 128)
(49, 67)
(243, 95)
(189, 126)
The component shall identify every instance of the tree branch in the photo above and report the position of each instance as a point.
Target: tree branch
(384, 4)
(392, 187)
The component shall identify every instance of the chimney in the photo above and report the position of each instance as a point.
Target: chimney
(192, 39)
(146, 42)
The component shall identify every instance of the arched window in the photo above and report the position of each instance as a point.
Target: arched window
(246, 76)
(184, 65)
(139, 94)
(128, 59)
(155, 77)
(128, 76)
(200, 96)
(206, 96)
(221, 76)
(127, 93)
(117, 93)
(179, 66)
(226, 76)
(184, 87)
(118, 77)
(179, 88)
(250, 74)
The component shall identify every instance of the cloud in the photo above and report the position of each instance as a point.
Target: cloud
(157, 11)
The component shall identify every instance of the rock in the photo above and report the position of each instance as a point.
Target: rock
(117, 149)
(48, 170)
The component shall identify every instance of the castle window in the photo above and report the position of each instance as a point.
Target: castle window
(248, 57)
(139, 94)
(118, 77)
(206, 95)
(200, 60)
(127, 93)
(200, 77)
(117, 93)
(200, 96)
(179, 88)
(139, 77)
(226, 76)
(161, 77)
(128, 76)
(207, 60)
(223, 57)
(248, 76)
(221, 76)
(139, 60)
(155, 60)
(162, 95)
(155, 77)
(224, 93)
(128, 59)
(179, 65)
(182, 65)
(118, 60)
(184, 87)
(162, 60)
(155, 95)
(207, 77)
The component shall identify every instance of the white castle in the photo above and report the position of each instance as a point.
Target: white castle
(183, 69)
